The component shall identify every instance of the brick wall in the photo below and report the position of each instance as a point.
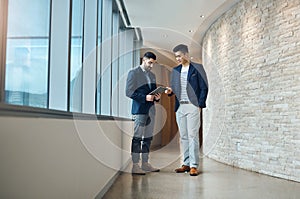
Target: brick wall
(252, 58)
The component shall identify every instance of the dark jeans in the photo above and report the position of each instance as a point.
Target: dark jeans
(143, 133)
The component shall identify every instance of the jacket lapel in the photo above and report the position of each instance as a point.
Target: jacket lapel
(179, 68)
(191, 71)
(144, 80)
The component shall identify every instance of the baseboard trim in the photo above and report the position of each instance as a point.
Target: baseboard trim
(107, 186)
(111, 181)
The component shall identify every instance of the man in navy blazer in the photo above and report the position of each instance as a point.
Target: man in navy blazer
(140, 82)
(189, 84)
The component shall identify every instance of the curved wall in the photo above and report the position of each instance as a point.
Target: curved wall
(252, 58)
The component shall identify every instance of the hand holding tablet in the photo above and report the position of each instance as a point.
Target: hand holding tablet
(160, 89)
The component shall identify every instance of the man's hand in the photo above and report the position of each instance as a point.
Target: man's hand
(150, 98)
(169, 90)
(157, 96)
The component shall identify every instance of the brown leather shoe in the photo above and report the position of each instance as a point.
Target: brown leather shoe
(183, 169)
(193, 171)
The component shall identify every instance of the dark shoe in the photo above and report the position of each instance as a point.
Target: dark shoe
(182, 169)
(136, 170)
(193, 171)
(148, 168)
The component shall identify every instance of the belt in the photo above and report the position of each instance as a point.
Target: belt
(184, 102)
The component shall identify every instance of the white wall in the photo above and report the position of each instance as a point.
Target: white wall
(251, 55)
(60, 158)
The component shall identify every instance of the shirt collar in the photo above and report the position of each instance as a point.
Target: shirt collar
(143, 69)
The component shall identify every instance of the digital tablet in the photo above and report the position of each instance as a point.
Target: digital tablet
(159, 89)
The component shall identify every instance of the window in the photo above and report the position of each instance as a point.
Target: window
(27, 53)
(76, 55)
(115, 65)
(126, 63)
(99, 51)
(106, 58)
(59, 55)
(66, 56)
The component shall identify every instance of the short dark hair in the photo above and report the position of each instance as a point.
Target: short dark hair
(181, 47)
(150, 55)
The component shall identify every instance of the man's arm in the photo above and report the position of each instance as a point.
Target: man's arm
(202, 78)
(131, 88)
(169, 90)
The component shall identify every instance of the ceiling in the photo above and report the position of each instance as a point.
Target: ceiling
(166, 23)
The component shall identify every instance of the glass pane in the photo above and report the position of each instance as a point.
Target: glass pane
(27, 53)
(115, 66)
(99, 48)
(106, 56)
(76, 55)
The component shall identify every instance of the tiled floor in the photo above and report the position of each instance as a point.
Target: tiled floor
(216, 181)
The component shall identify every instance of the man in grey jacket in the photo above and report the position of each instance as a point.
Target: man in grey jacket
(140, 82)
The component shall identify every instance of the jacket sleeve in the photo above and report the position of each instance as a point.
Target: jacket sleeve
(172, 82)
(132, 88)
(203, 84)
